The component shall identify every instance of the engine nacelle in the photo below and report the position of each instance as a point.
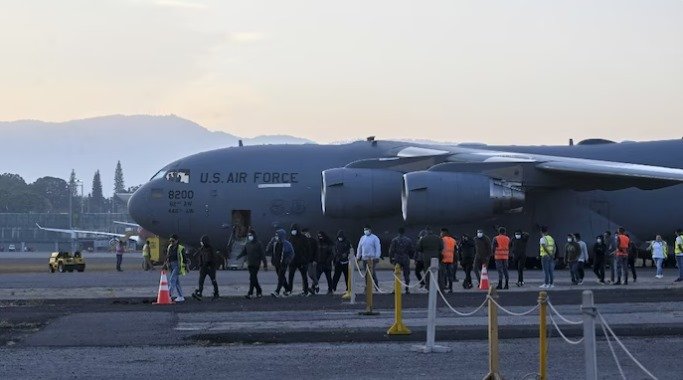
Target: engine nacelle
(361, 193)
(450, 198)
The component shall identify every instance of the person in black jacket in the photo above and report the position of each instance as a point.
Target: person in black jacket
(312, 266)
(466, 252)
(342, 249)
(207, 266)
(324, 260)
(301, 259)
(253, 250)
(281, 255)
(518, 251)
(600, 256)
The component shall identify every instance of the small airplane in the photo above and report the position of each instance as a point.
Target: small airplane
(589, 187)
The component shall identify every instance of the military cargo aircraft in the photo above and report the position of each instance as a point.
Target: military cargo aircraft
(590, 187)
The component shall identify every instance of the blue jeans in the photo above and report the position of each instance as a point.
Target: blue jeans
(548, 264)
(659, 263)
(119, 259)
(679, 262)
(174, 279)
(622, 267)
(502, 268)
(574, 270)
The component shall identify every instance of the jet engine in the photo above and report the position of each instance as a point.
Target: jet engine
(361, 193)
(451, 198)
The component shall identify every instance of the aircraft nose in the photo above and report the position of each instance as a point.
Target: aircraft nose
(138, 207)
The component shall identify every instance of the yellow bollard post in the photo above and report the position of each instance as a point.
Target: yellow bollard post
(494, 372)
(398, 328)
(542, 336)
(368, 289)
(349, 295)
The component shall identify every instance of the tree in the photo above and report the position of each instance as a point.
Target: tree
(119, 186)
(55, 190)
(97, 199)
(72, 183)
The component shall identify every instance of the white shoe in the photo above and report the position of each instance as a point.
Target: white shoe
(551, 286)
(180, 299)
(544, 286)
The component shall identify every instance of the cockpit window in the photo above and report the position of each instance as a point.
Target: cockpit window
(178, 175)
(160, 174)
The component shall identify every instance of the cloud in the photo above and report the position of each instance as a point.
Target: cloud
(245, 37)
(180, 4)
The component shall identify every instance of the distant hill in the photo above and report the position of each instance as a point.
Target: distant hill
(144, 144)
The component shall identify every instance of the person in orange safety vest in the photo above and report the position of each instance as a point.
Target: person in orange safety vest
(448, 260)
(501, 253)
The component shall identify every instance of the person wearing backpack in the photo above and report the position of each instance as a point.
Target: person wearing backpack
(208, 264)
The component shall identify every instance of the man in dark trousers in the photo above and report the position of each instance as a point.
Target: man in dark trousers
(282, 253)
(253, 250)
(312, 266)
(208, 263)
(482, 245)
(466, 252)
(401, 250)
(430, 246)
(342, 249)
(518, 251)
(301, 259)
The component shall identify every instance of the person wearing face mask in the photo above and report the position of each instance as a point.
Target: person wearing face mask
(312, 266)
(518, 250)
(599, 255)
(253, 250)
(400, 252)
(342, 249)
(583, 258)
(282, 253)
(572, 252)
(369, 249)
(324, 260)
(466, 252)
(482, 244)
(301, 259)
(659, 250)
(430, 246)
(207, 266)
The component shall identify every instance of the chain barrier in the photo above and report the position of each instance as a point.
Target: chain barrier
(513, 313)
(404, 284)
(451, 307)
(614, 354)
(561, 317)
(572, 342)
(616, 339)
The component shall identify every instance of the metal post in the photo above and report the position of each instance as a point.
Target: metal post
(350, 295)
(431, 313)
(398, 328)
(543, 336)
(369, 281)
(494, 372)
(588, 312)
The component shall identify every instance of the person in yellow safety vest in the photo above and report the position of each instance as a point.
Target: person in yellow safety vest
(678, 251)
(147, 257)
(623, 243)
(501, 253)
(448, 260)
(547, 253)
(176, 263)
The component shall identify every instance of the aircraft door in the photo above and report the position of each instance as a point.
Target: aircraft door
(241, 221)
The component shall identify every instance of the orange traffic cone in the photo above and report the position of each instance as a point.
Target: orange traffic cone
(164, 296)
(484, 282)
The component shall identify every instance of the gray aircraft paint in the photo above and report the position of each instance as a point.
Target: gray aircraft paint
(235, 179)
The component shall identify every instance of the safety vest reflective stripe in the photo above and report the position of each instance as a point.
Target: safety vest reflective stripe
(502, 247)
(448, 253)
(549, 246)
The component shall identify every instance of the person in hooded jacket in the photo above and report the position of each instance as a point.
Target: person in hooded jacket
(312, 266)
(301, 259)
(401, 250)
(518, 251)
(466, 250)
(342, 249)
(207, 266)
(430, 246)
(572, 252)
(324, 260)
(482, 245)
(282, 253)
(600, 256)
(253, 250)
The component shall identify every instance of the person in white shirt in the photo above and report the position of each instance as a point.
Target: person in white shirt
(369, 249)
(658, 249)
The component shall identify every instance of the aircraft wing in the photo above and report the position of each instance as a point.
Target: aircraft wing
(612, 169)
(75, 232)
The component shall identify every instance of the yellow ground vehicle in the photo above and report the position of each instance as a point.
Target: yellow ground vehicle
(65, 262)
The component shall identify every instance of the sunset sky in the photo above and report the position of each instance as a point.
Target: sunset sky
(491, 71)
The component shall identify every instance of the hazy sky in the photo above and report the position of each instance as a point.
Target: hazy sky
(493, 71)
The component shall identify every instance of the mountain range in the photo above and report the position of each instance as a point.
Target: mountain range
(143, 144)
